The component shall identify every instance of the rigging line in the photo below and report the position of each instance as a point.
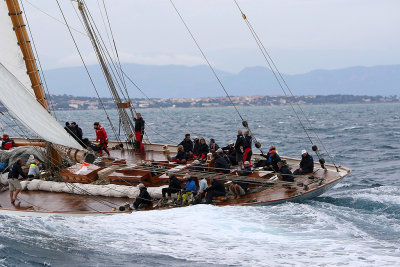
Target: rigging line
(108, 35)
(87, 71)
(56, 19)
(265, 52)
(40, 64)
(112, 36)
(244, 123)
(275, 75)
(205, 58)
(148, 99)
(104, 51)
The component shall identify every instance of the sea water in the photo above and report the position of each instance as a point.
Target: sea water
(357, 223)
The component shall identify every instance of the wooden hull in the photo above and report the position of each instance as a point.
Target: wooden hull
(40, 203)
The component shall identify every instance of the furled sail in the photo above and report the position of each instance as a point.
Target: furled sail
(10, 53)
(25, 108)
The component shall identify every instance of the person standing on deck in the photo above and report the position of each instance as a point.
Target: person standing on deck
(13, 182)
(247, 146)
(78, 134)
(239, 147)
(139, 132)
(101, 137)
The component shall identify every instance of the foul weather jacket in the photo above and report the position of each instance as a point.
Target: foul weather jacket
(216, 186)
(139, 125)
(187, 145)
(203, 149)
(239, 142)
(174, 183)
(196, 147)
(101, 135)
(221, 165)
(287, 175)
(307, 163)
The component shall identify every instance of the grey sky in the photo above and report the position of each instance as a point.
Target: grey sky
(300, 35)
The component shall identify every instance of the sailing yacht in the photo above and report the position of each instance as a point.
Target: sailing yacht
(79, 183)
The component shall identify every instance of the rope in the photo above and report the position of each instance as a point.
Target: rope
(275, 70)
(87, 71)
(244, 123)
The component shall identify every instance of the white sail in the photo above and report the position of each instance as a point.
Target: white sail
(30, 112)
(10, 53)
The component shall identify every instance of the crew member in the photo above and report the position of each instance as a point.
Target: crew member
(143, 199)
(213, 146)
(247, 146)
(230, 152)
(221, 166)
(187, 146)
(34, 171)
(7, 142)
(203, 150)
(216, 189)
(101, 137)
(190, 188)
(180, 157)
(13, 182)
(196, 146)
(174, 186)
(306, 164)
(77, 133)
(239, 147)
(139, 131)
(285, 172)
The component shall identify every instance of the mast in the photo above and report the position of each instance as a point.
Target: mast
(19, 28)
(125, 120)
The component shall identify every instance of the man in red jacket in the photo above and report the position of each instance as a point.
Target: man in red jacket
(101, 137)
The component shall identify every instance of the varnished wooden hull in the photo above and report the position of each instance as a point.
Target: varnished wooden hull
(40, 203)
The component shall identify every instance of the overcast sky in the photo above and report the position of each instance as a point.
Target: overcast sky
(301, 35)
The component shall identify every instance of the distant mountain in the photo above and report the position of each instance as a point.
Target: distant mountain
(198, 81)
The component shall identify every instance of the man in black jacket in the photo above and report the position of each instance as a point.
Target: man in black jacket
(139, 132)
(239, 147)
(187, 146)
(221, 166)
(306, 164)
(143, 199)
(174, 186)
(78, 134)
(285, 172)
(248, 152)
(216, 189)
(13, 182)
(196, 146)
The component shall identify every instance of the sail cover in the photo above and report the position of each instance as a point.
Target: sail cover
(10, 53)
(25, 108)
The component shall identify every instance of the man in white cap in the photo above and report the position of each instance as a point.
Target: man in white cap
(306, 164)
(143, 199)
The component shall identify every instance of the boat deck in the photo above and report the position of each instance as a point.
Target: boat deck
(267, 193)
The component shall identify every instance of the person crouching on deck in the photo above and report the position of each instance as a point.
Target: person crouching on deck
(190, 189)
(180, 157)
(174, 186)
(139, 131)
(217, 189)
(13, 182)
(34, 171)
(7, 143)
(101, 137)
(143, 199)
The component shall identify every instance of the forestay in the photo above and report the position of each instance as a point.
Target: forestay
(11, 55)
(25, 108)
